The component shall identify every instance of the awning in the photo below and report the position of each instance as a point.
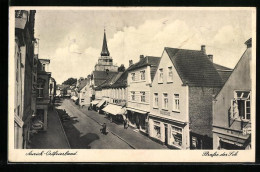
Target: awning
(231, 142)
(138, 111)
(114, 109)
(101, 103)
(94, 102)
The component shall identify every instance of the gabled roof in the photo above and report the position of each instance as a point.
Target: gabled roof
(194, 67)
(82, 84)
(224, 72)
(147, 61)
(100, 76)
(111, 80)
(220, 67)
(122, 80)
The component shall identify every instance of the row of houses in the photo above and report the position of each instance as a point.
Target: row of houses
(34, 86)
(181, 99)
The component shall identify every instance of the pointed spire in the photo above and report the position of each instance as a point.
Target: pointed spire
(105, 51)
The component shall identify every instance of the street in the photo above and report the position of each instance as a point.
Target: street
(83, 131)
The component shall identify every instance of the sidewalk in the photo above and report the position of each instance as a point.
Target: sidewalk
(136, 139)
(53, 138)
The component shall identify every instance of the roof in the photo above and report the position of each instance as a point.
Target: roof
(104, 51)
(82, 84)
(147, 61)
(223, 71)
(111, 80)
(122, 80)
(194, 67)
(100, 76)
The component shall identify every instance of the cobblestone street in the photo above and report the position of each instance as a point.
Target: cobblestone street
(83, 131)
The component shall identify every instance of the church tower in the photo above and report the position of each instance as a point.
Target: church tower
(105, 62)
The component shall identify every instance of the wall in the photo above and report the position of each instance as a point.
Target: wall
(137, 86)
(238, 80)
(169, 117)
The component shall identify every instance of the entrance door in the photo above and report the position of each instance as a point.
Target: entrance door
(166, 134)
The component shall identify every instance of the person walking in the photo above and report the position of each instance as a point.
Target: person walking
(104, 129)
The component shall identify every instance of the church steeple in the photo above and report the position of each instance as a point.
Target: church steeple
(104, 51)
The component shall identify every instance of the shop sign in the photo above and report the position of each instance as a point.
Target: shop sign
(165, 113)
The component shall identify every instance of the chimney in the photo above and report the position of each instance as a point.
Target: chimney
(249, 43)
(210, 56)
(203, 49)
(130, 62)
(141, 57)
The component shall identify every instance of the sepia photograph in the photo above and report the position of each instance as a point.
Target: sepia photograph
(132, 84)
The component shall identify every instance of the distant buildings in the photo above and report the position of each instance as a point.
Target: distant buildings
(232, 107)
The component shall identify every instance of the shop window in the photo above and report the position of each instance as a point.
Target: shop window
(142, 96)
(170, 75)
(142, 74)
(160, 76)
(176, 102)
(165, 101)
(157, 129)
(240, 105)
(155, 102)
(177, 136)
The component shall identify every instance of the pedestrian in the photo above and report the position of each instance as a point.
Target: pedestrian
(104, 129)
(124, 123)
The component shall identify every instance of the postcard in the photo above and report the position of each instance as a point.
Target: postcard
(132, 84)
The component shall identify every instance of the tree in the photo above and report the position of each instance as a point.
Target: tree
(70, 81)
(121, 68)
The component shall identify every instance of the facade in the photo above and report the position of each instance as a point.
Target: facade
(139, 81)
(84, 92)
(25, 60)
(232, 107)
(181, 99)
(52, 89)
(42, 95)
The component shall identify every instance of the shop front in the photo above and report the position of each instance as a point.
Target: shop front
(115, 113)
(138, 119)
(174, 134)
(94, 104)
(101, 105)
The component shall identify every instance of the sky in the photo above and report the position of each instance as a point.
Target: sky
(72, 39)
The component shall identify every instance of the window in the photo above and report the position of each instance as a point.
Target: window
(40, 91)
(82, 100)
(176, 136)
(170, 75)
(157, 129)
(43, 67)
(240, 105)
(142, 74)
(133, 95)
(133, 76)
(176, 102)
(160, 79)
(165, 101)
(155, 102)
(142, 96)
